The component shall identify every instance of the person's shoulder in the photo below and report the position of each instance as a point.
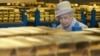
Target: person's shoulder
(83, 25)
(59, 26)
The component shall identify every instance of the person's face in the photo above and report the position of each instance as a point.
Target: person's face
(65, 20)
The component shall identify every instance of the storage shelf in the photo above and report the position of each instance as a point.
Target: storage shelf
(9, 15)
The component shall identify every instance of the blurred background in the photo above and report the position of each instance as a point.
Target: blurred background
(22, 12)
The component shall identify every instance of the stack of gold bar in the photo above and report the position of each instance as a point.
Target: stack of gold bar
(10, 48)
(16, 31)
(45, 41)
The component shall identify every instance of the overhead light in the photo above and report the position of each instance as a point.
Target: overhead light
(76, 4)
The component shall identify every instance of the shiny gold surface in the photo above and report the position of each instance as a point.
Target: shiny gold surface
(47, 41)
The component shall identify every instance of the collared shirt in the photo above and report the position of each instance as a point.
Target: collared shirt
(83, 26)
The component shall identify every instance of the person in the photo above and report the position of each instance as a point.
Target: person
(65, 14)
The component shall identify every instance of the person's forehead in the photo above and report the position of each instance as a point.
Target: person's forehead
(64, 15)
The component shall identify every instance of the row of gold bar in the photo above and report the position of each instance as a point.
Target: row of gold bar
(45, 41)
